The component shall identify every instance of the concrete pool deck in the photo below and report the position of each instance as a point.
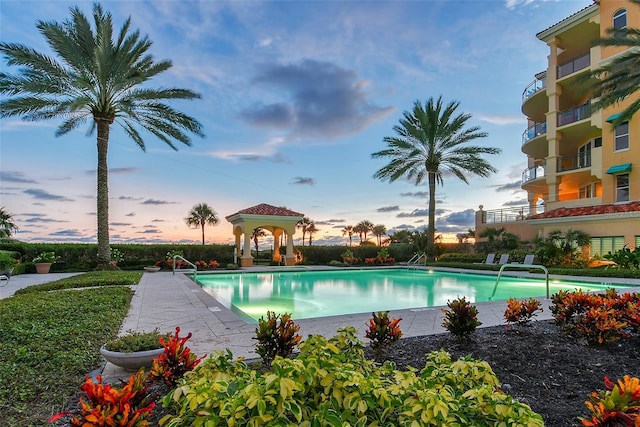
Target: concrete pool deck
(165, 300)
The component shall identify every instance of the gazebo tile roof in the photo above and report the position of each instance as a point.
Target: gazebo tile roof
(589, 210)
(265, 209)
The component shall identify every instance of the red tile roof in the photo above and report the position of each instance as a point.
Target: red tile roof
(589, 210)
(265, 209)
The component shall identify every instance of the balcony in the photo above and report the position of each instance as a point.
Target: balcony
(534, 87)
(514, 214)
(575, 114)
(576, 161)
(574, 65)
(534, 173)
(534, 131)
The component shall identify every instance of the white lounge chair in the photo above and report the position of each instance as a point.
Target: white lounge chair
(504, 258)
(489, 260)
(528, 259)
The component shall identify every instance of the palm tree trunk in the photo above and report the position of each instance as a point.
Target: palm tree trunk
(431, 227)
(104, 252)
(202, 225)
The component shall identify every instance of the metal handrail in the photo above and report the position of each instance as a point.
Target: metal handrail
(527, 266)
(415, 259)
(195, 269)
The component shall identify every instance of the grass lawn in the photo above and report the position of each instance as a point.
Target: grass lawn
(49, 341)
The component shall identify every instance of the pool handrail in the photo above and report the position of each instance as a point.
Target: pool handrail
(415, 259)
(516, 265)
(186, 270)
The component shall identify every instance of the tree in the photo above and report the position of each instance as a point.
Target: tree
(362, 228)
(400, 236)
(620, 78)
(201, 215)
(379, 231)
(7, 226)
(311, 229)
(99, 79)
(256, 234)
(432, 139)
(303, 225)
(348, 230)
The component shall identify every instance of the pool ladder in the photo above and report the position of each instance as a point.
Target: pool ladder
(193, 270)
(527, 266)
(415, 259)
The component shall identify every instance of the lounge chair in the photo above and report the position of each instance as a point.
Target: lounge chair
(489, 260)
(528, 259)
(504, 258)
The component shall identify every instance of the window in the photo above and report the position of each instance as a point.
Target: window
(622, 187)
(589, 190)
(620, 19)
(597, 142)
(621, 137)
(603, 245)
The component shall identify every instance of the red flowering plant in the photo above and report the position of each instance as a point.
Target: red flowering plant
(176, 360)
(214, 264)
(618, 405)
(112, 406)
(521, 312)
(383, 331)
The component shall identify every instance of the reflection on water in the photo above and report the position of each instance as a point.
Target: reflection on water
(338, 292)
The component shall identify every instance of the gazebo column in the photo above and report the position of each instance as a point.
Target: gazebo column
(246, 260)
(290, 258)
(276, 244)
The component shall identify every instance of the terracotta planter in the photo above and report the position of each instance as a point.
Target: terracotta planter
(131, 361)
(152, 269)
(43, 267)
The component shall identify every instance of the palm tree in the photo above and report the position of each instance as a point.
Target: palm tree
(256, 234)
(432, 139)
(348, 230)
(620, 78)
(95, 78)
(303, 225)
(570, 241)
(311, 229)
(379, 231)
(362, 228)
(201, 215)
(7, 226)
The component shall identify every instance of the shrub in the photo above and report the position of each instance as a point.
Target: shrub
(618, 405)
(137, 341)
(625, 257)
(521, 312)
(276, 338)
(331, 383)
(175, 361)
(383, 331)
(461, 319)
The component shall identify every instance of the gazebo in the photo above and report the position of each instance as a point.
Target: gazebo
(271, 218)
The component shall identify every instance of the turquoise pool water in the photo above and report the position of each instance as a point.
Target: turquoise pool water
(312, 294)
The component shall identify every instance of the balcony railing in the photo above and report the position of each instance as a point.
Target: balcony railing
(576, 161)
(514, 214)
(574, 114)
(534, 173)
(534, 87)
(574, 65)
(533, 131)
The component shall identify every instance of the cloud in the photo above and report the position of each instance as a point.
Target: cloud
(511, 186)
(511, 4)
(157, 202)
(121, 224)
(501, 120)
(18, 177)
(131, 214)
(135, 199)
(158, 220)
(42, 219)
(388, 209)
(419, 213)
(339, 221)
(44, 195)
(149, 231)
(67, 233)
(420, 194)
(456, 222)
(324, 101)
(516, 202)
(298, 180)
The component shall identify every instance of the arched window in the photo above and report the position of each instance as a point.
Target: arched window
(620, 19)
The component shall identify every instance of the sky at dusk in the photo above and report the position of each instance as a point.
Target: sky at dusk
(296, 96)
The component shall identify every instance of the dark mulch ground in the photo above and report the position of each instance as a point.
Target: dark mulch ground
(550, 372)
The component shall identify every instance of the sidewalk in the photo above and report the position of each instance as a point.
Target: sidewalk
(20, 281)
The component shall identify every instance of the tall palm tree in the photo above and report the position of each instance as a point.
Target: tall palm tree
(200, 215)
(256, 234)
(303, 225)
(95, 78)
(379, 231)
(620, 78)
(432, 139)
(362, 228)
(348, 230)
(7, 226)
(311, 229)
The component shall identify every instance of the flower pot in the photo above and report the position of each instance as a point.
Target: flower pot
(7, 272)
(131, 361)
(43, 267)
(152, 269)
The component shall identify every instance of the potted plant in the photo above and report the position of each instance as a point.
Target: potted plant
(135, 349)
(44, 261)
(7, 262)
(116, 256)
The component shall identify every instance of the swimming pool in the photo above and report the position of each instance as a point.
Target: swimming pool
(312, 294)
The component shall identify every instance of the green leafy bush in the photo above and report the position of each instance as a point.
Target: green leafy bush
(625, 258)
(461, 319)
(86, 280)
(277, 336)
(331, 383)
(136, 341)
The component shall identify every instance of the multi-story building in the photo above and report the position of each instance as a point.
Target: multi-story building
(582, 173)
